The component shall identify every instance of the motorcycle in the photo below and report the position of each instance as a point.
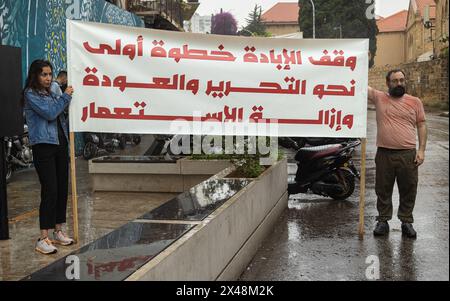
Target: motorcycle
(297, 143)
(96, 144)
(326, 170)
(18, 153)
(316, 141)
(124, 139)
(290, 142)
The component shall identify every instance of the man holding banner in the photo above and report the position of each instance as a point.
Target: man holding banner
(398, 116)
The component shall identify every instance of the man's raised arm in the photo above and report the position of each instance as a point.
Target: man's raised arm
(371, 94)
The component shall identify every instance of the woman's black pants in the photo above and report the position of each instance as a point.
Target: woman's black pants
(52, 166)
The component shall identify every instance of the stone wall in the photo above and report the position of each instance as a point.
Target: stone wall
(426, 80)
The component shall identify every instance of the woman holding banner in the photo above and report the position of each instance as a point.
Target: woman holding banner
(48, 134)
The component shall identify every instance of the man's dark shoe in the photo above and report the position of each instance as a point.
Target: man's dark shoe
(382, 228)
(408, 230)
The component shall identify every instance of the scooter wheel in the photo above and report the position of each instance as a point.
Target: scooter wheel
(89, 151)
(347, 180)
(9, 171)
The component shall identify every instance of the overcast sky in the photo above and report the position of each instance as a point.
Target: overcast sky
(241, 8)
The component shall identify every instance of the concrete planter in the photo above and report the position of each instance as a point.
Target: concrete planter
(222, 245)
(146, 176)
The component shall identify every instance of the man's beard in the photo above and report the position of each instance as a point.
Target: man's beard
(397, 91)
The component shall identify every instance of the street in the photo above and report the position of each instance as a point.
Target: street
(99, 214)
(317, 238)
(197, 73)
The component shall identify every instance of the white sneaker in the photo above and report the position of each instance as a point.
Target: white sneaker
(60, 238)
(45, 246)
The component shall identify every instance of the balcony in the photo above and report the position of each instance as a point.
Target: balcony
(164, 14)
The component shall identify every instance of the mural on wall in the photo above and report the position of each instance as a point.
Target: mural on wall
(39, 28)
(12, 33)
(55, 38)
(113, 15)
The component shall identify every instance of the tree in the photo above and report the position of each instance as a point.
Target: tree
(255, 26)
(224, 23)
(354, 17)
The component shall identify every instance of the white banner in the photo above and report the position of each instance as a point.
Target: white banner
(137, 80)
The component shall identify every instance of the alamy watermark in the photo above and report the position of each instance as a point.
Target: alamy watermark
(373, 270)
(227, 138)
(375, 6)
(370, 11)
(73, 270)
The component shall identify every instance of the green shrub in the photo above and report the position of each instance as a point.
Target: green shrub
(247, 165)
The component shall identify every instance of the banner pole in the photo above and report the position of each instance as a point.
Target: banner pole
(362, 183)
(73, 181)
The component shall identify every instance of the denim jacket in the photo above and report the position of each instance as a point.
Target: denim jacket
(41, 111)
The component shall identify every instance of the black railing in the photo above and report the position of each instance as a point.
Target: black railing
(171, 10)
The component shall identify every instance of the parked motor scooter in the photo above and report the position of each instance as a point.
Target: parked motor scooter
(289, 142)
(96, 144)
(326, 170)
(18, 153)
(316, 141)
(125, 139)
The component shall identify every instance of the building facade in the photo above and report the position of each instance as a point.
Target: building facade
(418, 34)
(198, 24)
(442, 35)
(162, 14)
(282, 19)
(419, 30)
(391, 39)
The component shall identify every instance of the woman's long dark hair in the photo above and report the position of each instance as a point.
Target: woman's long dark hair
(32, 81)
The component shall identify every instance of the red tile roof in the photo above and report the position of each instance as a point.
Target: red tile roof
(282, 12)
(393, 23)
(419, 5)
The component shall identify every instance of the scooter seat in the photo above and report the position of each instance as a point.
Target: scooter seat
(315, 152)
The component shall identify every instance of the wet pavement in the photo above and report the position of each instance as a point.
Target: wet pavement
(317, 238)
(100, 213)
(118, 254)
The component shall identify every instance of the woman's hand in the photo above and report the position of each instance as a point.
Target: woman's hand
(69, 90)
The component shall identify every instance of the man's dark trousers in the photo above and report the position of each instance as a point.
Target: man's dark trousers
(392, 165)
